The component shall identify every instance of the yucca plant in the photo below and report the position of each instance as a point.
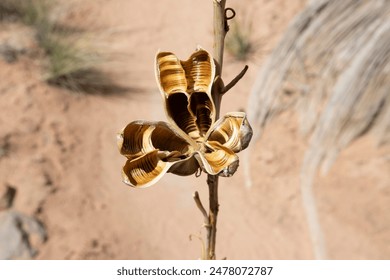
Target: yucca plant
(195, 138)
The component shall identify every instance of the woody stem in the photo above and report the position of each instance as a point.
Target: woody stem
(212, 181)
(220, 29)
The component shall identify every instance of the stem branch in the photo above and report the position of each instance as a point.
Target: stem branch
(201, 208)
(235, 80)
(212, 181)
(220, 29)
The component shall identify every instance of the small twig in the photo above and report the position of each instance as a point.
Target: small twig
(203, 254)
(201, 208)
(235, 80)
(212, 181)
(220, 29)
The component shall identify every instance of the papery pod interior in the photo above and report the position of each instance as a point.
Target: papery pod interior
(186, 89)
(141, 137)
(217, 159)
(152, 149)
(200, 71)
(185, 167)
(232, 131)
(170, 74)
(144, 171)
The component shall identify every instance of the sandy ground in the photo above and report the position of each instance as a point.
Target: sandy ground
(60, 153)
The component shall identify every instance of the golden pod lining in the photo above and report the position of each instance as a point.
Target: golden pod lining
(139, 138)
(185, 167)
(177, 110)
(164, 139)
(232, 131)
(144, 170)
(217, 158)
(186, 88)
(201, 107)
(170, 73)
(132, 141)
(199, 71)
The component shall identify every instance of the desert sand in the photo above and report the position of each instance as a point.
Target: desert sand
(61, 156)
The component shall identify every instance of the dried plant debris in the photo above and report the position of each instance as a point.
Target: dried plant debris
(73, 60)
(193, 139)
(334, 63)
(239, 41)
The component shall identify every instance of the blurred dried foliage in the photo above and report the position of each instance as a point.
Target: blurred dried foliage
(29, 11)
(239, 42)
(333, 66)
(74, 60)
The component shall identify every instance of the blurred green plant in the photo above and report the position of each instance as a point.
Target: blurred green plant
(238, 41)
(31, 12)
(73, 62)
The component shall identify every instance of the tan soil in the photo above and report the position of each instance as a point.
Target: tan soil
(59, 151)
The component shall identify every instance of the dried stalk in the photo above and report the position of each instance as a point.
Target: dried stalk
(235, 80)
(220, 30)
(201, 208)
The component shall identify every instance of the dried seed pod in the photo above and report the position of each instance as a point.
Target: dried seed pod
(216, 159)
(185, 167)
(232, 131)
(152, 149)
(186, 89)
(193, 139)
(202, 108)
(200, 71)
(145, 170)
(170, 74)
(141, 137)
(131, 140)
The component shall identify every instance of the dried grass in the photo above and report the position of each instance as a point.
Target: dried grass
(31, 12)
(75, 58)
(333, 67)
(238, 41)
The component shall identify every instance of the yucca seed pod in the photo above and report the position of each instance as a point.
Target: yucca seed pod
(186, 90)
(152, 149)
(232, 131)
(192, 139)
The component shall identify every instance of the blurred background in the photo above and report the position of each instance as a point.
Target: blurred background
(315, 182)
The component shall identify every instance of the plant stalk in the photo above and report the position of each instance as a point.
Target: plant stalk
(212, 181)
(220, 29)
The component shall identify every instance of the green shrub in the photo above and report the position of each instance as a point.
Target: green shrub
(238, 41)
(73, 62)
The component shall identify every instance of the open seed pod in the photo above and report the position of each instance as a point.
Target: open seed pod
(192, 139)
(152, 149)
(217, 160)
(186, 90)
(228, 136)
(233, 131)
